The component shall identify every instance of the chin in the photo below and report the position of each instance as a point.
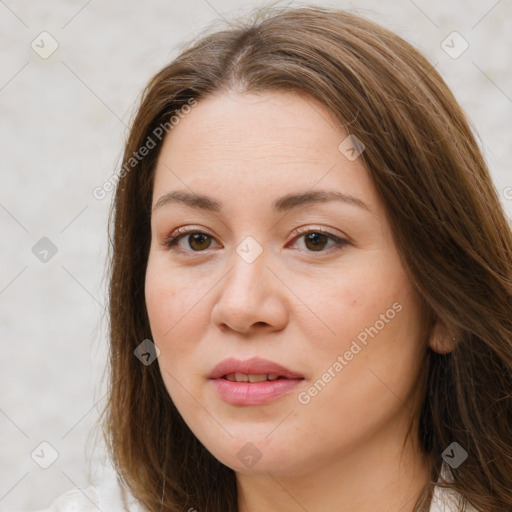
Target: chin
(253, 454)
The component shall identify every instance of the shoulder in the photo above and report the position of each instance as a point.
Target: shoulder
(107, 495)
(448, 500)
(75, 500)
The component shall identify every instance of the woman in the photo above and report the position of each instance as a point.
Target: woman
(310, 285)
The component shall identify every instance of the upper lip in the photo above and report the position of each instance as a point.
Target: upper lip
(254, 366)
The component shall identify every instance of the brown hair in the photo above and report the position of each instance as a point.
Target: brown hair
(447, 221)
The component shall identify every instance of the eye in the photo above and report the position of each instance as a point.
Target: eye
(197, 240)
(315, 240)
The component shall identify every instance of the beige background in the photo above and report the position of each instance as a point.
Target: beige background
(62, 126)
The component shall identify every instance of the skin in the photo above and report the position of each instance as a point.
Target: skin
(299, 307)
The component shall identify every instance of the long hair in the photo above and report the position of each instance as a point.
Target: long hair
(447, 221)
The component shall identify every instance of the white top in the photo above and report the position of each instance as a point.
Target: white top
(110, 496)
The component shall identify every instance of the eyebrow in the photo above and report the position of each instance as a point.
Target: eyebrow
(281, 204)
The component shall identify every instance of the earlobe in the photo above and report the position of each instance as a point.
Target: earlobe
(441, 340)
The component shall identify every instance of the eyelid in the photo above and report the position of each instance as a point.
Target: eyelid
(318, 229)
(341, 240)
(182, 232)
(173, 239)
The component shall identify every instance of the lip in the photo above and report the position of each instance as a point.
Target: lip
(252, 393)
(256, 365)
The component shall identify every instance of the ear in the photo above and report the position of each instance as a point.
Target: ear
(441, 340)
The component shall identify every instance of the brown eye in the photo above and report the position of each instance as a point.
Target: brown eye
(316, 241)
(195, 241)
(199, 241)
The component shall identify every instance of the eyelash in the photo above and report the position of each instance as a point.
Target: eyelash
(171, 241)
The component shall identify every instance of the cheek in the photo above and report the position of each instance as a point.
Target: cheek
(370, 314)
(176, 310)
(171, 300)
(348, 301)
(160, 303)
(378, 378)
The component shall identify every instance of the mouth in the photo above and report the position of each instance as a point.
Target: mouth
(260, 377)
(252, 370)
(252, 382)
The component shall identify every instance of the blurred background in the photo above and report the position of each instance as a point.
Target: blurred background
(71, 75)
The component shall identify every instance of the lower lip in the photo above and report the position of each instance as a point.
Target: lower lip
(253, 393)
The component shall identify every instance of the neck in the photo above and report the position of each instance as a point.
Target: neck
(383, 475)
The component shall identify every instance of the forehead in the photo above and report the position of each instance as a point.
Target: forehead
(262, 144)
(278, 126)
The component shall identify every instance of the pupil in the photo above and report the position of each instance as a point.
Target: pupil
(316, 238)
(196, 237)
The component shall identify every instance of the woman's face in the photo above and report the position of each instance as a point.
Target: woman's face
(313, 285)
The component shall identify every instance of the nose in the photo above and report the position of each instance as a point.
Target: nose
(250, 298)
